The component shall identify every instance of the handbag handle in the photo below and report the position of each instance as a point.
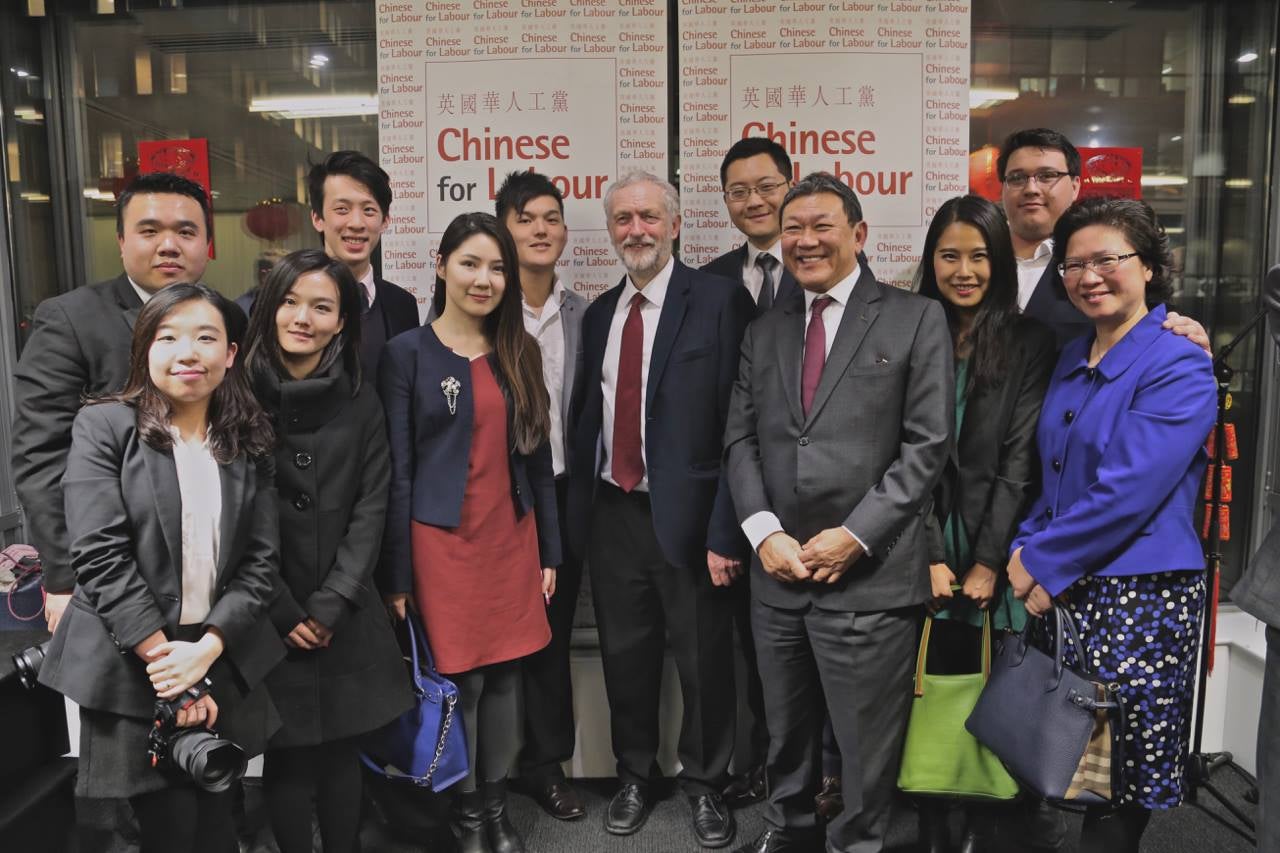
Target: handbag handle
(418, 650)
(922, 655)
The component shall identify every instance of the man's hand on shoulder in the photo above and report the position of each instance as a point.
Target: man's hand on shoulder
(830, 553)
(1189, 329)
(780, 557)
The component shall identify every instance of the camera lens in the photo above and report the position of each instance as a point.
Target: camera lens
(28, 663)
(212, 762)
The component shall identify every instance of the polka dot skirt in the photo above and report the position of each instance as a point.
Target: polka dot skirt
(1142, 632)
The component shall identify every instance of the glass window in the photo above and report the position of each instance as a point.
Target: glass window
(1187, 83)
(269, 85)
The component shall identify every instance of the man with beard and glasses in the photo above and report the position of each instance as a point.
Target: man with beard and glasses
(649, 503)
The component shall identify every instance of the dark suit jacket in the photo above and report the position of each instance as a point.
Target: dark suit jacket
(1049, 304)
(868, 454)
(124, 516)
(79, 345)
(991, 474)
(691, 370)
(431, 453)
(729, 265)
(1258, 592)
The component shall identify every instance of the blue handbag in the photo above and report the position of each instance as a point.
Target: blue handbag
(426, 745)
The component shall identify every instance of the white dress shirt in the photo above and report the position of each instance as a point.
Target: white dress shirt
(761, 525)
(200, 490)
(547, 328)
(144, 295)
(1030, 270)
(369, 287)
(650, 311)
(753, 276)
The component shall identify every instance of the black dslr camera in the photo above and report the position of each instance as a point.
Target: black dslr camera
(28, 662)
(212, 762)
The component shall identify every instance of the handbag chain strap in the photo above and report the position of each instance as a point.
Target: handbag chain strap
(450, 702)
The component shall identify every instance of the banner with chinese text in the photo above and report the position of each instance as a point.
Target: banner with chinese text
(470, 91)
(877, 93)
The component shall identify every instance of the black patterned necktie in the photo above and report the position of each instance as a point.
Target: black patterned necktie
(767, 263)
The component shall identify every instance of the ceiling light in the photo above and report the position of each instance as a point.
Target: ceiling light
(1247, 56)
(1168, 69)
(319, 59)
(1094, 128)
(1237, 183)
(1164, 180)
(1177, 138)
(315, 106)
(981, 99)
(1241, 100)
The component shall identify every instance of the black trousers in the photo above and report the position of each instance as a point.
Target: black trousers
(859, 665)
(548, 691)
(323, 779)
(643, 603)
(184, 819)
(758, 736)
(1269, 748)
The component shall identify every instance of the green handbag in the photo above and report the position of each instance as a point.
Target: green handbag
(940, 757)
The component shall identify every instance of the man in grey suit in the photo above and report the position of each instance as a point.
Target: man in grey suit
(838, 430)
(532, 209)
(79, 345)
(1258, 593)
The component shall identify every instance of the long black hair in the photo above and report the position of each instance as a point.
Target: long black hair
(997, 314)
(237, 423)
(516, 357)
(264, 355)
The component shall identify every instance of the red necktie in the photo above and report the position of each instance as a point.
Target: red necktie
(628, 461)
(815, 354)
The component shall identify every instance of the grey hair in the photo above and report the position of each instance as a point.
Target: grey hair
(670, 196)
(824, 182)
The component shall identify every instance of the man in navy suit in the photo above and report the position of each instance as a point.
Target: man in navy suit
(649, 502)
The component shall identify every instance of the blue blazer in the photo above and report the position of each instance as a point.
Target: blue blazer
(691, 372)
(1122, 457)
(431, 454)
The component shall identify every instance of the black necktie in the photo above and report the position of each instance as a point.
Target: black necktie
(767, 263)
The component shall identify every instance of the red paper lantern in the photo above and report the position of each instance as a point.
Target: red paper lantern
(984, 180)
(270, 219)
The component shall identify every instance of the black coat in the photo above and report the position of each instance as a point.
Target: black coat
(991, 471)
(332, 471)
(124, 515)
(79, 345)
(1050, 305)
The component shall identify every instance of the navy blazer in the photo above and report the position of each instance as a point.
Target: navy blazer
(691, 372)
(1121, 459)
(431, 454)
(1050, 305)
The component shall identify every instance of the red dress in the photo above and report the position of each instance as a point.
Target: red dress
(478, 586)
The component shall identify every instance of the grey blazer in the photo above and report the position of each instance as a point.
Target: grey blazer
(867, 456)
(1258, 592)
(124, 518)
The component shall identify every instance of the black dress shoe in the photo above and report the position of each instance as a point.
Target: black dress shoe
(829, 802)
(628, 810)
(746, 789)
(713, 824)
(771, 841)
(557, 798)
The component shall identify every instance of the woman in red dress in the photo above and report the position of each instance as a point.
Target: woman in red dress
(471, 533)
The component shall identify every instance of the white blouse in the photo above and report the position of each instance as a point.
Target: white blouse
(200, 489)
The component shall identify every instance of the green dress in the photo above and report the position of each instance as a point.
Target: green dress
(1007, 612)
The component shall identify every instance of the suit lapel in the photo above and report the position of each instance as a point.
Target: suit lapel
(790, 340)
(127, 298)
(164, 488)
(669, 321)
(858, 316)
(1044, 297)
(786, 286)
(232, 477)
(570, 326)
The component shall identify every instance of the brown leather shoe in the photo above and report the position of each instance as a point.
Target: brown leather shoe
(558, 799)
(829, 802)
(746, 789)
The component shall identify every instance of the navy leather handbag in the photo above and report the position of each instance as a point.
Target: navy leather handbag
(426, 744)
(1054, 726)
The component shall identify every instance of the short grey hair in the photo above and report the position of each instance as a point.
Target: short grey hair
(670, 196)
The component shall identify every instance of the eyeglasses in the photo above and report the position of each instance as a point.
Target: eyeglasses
(740, 193)
(1044, 177)
(1072, 268)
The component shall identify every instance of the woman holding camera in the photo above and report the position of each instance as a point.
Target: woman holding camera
(1003, 362)
(471, 525)
(1121, 440)
(343, 675)
(171, 519)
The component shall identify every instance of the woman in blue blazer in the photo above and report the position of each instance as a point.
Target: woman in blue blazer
(171, 514)
(1121, 441)
(471, 533)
